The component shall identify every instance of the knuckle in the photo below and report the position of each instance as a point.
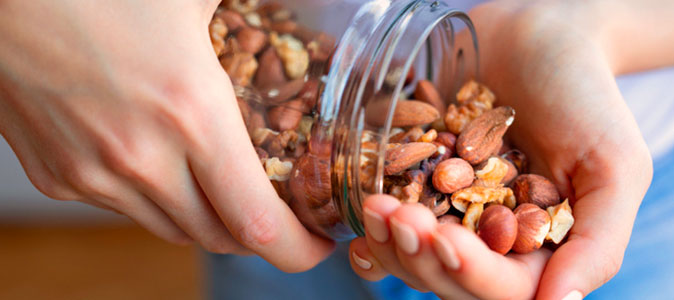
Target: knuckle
(136, 161)
(84, 178)
(611, 266)
(258, 230)
(51, 187)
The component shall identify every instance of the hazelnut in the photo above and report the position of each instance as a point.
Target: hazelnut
(310, 180)
(536, 189)
(562, 221)
(286, 116)
(452, 175)
(498, 228)
(533, 224)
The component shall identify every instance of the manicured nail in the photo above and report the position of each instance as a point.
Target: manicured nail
(375, 225)
(446, 252)
(361, 262)
(574, 295)
(405, 236)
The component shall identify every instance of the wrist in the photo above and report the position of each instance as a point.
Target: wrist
(634, 35)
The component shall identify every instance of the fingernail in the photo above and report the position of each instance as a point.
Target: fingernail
(446, 252)
(574, 295)
(375, 225)
(361, 262)
(405, 236)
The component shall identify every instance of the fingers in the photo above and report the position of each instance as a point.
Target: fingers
(179, 196)
(147, 215)
(606, 206)
(594, 250)
(363, 262)
(446, 259)
(229, 171)
(413, 228)
(483, 272)
(376, 212)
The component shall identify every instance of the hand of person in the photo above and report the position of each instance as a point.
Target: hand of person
(123, 105)
(576, 130)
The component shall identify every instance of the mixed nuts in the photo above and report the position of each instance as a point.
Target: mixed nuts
(452, 159)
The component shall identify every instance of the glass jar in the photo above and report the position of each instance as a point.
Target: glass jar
(319, 109)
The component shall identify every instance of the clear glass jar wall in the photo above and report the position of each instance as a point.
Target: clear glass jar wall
(318, 83)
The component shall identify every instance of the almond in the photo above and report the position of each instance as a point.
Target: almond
(427, 92)
(533, 225)
(251, 40)
(407, 113)
(404, 156)
(270, 72)
(283, 92)
(483, 136)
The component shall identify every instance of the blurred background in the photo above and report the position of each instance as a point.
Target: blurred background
(67, 250)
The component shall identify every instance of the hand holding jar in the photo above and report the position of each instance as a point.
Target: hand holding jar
(124, 106)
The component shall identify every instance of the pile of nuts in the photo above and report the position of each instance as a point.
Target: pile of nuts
(464, 172)
(452, 159)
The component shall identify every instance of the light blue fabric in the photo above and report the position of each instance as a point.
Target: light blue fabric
(251, 278)
(648, 268)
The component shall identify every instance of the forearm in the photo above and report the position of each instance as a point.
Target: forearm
(636, 35)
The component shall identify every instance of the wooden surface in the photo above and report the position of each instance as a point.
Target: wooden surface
(102, 262)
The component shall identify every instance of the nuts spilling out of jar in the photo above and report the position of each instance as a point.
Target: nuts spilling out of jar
(482, 179)
(450, 158)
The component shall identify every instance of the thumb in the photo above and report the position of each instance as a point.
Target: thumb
(596, 245)
(229, 171)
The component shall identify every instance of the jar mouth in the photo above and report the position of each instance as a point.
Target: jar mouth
(386, 43)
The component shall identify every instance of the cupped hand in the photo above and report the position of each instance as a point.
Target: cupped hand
(124, 105)
(549, 64)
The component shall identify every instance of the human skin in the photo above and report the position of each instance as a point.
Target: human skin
(554, 62)
(123, 105)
